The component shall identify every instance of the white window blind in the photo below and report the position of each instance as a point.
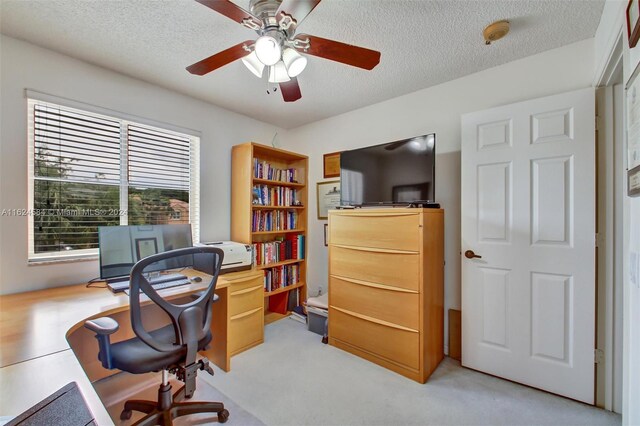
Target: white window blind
(89, 170)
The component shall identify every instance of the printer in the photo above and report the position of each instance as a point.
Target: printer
(237, 257)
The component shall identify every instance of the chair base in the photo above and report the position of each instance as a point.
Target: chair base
(167, 408)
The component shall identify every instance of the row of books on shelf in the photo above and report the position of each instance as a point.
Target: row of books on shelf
(274, 220)
(264, 170)
(265, 195)
(290, 247)
(281, 276)
(285, 302)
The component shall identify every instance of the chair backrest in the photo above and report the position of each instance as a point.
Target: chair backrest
(191, 321)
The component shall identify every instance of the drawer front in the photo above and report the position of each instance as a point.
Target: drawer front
(397, 231)
(393, 305)
(246, 282)
(400, 346)
(392, 269)
(245, 299)
(245, 329)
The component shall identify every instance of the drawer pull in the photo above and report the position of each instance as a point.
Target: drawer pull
(245, 314)
(376, 250)
(246, 290)
(374, 285)
(374, 320)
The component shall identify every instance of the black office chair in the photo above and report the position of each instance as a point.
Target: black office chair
(170, 349)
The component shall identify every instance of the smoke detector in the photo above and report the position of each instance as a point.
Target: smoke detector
(495, 31)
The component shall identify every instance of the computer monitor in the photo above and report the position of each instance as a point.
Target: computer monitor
(120, 247)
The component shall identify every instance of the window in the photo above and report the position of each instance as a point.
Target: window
(88, 170)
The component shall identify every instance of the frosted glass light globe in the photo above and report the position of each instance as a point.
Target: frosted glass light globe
(268, 50)
(294, 61)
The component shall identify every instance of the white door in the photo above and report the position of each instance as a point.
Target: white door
(528, 208)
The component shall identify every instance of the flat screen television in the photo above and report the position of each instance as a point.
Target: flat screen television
(120, 247)
(400, 172)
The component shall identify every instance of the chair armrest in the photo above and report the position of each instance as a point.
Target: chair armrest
(195, 296)
(102, 326)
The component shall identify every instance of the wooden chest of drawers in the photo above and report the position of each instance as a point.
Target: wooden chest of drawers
(386, 287)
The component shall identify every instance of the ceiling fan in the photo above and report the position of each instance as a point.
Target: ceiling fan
(278, 47)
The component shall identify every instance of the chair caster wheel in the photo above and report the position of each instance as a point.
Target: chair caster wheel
(126, 414)
(325, 339)
(223, 416)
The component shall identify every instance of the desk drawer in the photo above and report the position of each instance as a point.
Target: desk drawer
(245, 299)
(394, 344)
(391, 231)
(246, 282)
(390, 304)
(392, 269)
(245, 330)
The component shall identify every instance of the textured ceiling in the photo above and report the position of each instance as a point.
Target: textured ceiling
(423, 43)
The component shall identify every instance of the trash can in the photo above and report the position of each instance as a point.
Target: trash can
(318, 314)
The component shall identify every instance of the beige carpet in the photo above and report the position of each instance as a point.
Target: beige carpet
(293, 379)
(114, 391)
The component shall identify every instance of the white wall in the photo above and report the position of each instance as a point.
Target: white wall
(23, 66)
(631, 296)
(436, 109)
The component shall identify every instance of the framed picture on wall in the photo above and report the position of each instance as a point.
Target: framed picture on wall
(326, 232)
(328, 194)
(633, 22)
(146, 247)
(331, 165)
(633, 134)
(633, 119)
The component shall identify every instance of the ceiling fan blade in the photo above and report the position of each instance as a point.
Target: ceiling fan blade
(297, 9)
(232, 11)
(220, 59)
(290, 90)
(339, 52)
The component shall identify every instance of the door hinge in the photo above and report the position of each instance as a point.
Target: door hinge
(599, 239)
(598, 356)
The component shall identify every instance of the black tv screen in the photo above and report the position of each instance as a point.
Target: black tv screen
(400, 172)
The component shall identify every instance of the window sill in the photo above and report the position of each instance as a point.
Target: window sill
(50, 259)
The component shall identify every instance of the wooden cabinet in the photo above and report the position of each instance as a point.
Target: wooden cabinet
(269, 211)
(386, 287)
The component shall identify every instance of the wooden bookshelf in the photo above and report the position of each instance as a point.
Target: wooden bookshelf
(284, 262)
(283, 231)
(257, 207)
(243, 181)
(278, 183)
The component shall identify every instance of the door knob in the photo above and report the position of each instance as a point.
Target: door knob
(469, 254)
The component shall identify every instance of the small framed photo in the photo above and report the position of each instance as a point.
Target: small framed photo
(328, 194)
(633, 22)
(146, 247)
(331, 165)
(326, 236)
(633, 182)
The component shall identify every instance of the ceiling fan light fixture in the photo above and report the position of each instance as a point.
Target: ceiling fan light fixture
(268, 50)
(278, 73)
(294, 62)
(252, 62)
